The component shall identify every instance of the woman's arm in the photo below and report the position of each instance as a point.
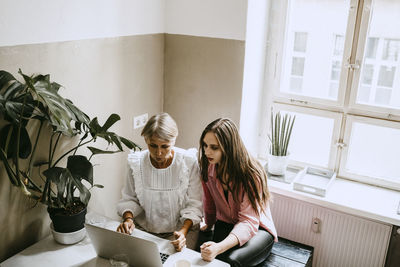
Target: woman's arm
(186, 226)
(244, 229)
(248, 221)
(180, 236)
(128, 205)
(209, 250)
(129, 200)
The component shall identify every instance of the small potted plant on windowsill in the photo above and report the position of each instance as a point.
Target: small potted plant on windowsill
(33, 109)
(279, 137)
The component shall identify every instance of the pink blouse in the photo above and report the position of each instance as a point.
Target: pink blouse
(242, 215)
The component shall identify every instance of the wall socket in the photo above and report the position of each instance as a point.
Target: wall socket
(316, 225)
(140, 121)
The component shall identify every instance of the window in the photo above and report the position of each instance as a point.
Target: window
(379, 71)
(336, 65)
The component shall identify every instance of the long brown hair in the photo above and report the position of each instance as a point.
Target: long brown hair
(236, 163)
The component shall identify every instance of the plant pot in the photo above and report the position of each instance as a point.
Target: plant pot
(66, 223)
(68, 238)
(277, 164)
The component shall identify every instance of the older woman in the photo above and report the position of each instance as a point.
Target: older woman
(162, 193)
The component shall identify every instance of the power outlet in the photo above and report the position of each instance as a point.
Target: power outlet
(140, 121)
(316, 225)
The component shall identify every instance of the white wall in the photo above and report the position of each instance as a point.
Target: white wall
(42, 21)
(208, 18)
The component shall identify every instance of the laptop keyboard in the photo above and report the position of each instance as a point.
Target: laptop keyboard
(163, 257)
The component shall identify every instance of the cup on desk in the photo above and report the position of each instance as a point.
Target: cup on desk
(120, 260)
(182, 263)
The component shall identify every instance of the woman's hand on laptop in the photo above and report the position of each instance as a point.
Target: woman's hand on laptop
(127, 226)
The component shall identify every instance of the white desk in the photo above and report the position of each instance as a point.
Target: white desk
(48, 252)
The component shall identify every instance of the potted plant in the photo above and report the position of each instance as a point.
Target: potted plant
(33, 109)
(279, 137)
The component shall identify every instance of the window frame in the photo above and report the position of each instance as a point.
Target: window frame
(364, 109)
(345, 106)
(337, 118)
(280, 56)
(350, 120)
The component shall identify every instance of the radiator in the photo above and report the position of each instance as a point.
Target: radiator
(343, 239)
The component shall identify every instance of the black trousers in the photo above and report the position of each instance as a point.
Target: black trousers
(255, 251)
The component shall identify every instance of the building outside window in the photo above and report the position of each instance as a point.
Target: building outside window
(336, 65)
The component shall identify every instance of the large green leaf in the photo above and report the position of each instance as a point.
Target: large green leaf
(36, 97)
(116, 140)
(66, 183)
(60, 116)
(13, 89)
(80, 168)
(58, 176)
(94, 127)
(11, 174)
(84, 194)
(61, 112)
(129, 144)
(10, 132)
(112, 138)
(2, 104)
(5, 78)
(79, 116)
(96, 151)
(112, 119)
(14, 101)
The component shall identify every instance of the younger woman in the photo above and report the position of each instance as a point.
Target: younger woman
(235, 199)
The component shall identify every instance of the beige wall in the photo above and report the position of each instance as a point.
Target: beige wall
(195, 79)
(203, 81)
(122, 75)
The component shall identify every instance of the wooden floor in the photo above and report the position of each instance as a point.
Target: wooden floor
(288, 253)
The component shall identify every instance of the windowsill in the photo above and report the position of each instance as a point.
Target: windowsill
(350, 197)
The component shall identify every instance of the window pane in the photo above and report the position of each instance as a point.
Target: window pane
(300, 41)
(391, 50)
(372, 45)
(364, 93)
(386, 76)
(374, 151)
(298, 66)
(383, 96)
(367, 74)
(335, 73)
(315, 32)
(296, 84)
(311, 139)
(382, 57)
(339, 45)
(333, 89)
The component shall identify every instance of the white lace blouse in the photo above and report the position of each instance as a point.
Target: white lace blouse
(161, 199)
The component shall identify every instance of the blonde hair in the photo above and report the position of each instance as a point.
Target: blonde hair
(161, 126)
(241, 169)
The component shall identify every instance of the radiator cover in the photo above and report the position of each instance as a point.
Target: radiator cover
(342, 240)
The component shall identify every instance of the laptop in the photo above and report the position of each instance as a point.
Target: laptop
(110, 244)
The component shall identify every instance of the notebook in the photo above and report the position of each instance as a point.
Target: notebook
(136, 251)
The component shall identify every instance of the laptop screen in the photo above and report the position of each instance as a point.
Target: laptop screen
(137, 251)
